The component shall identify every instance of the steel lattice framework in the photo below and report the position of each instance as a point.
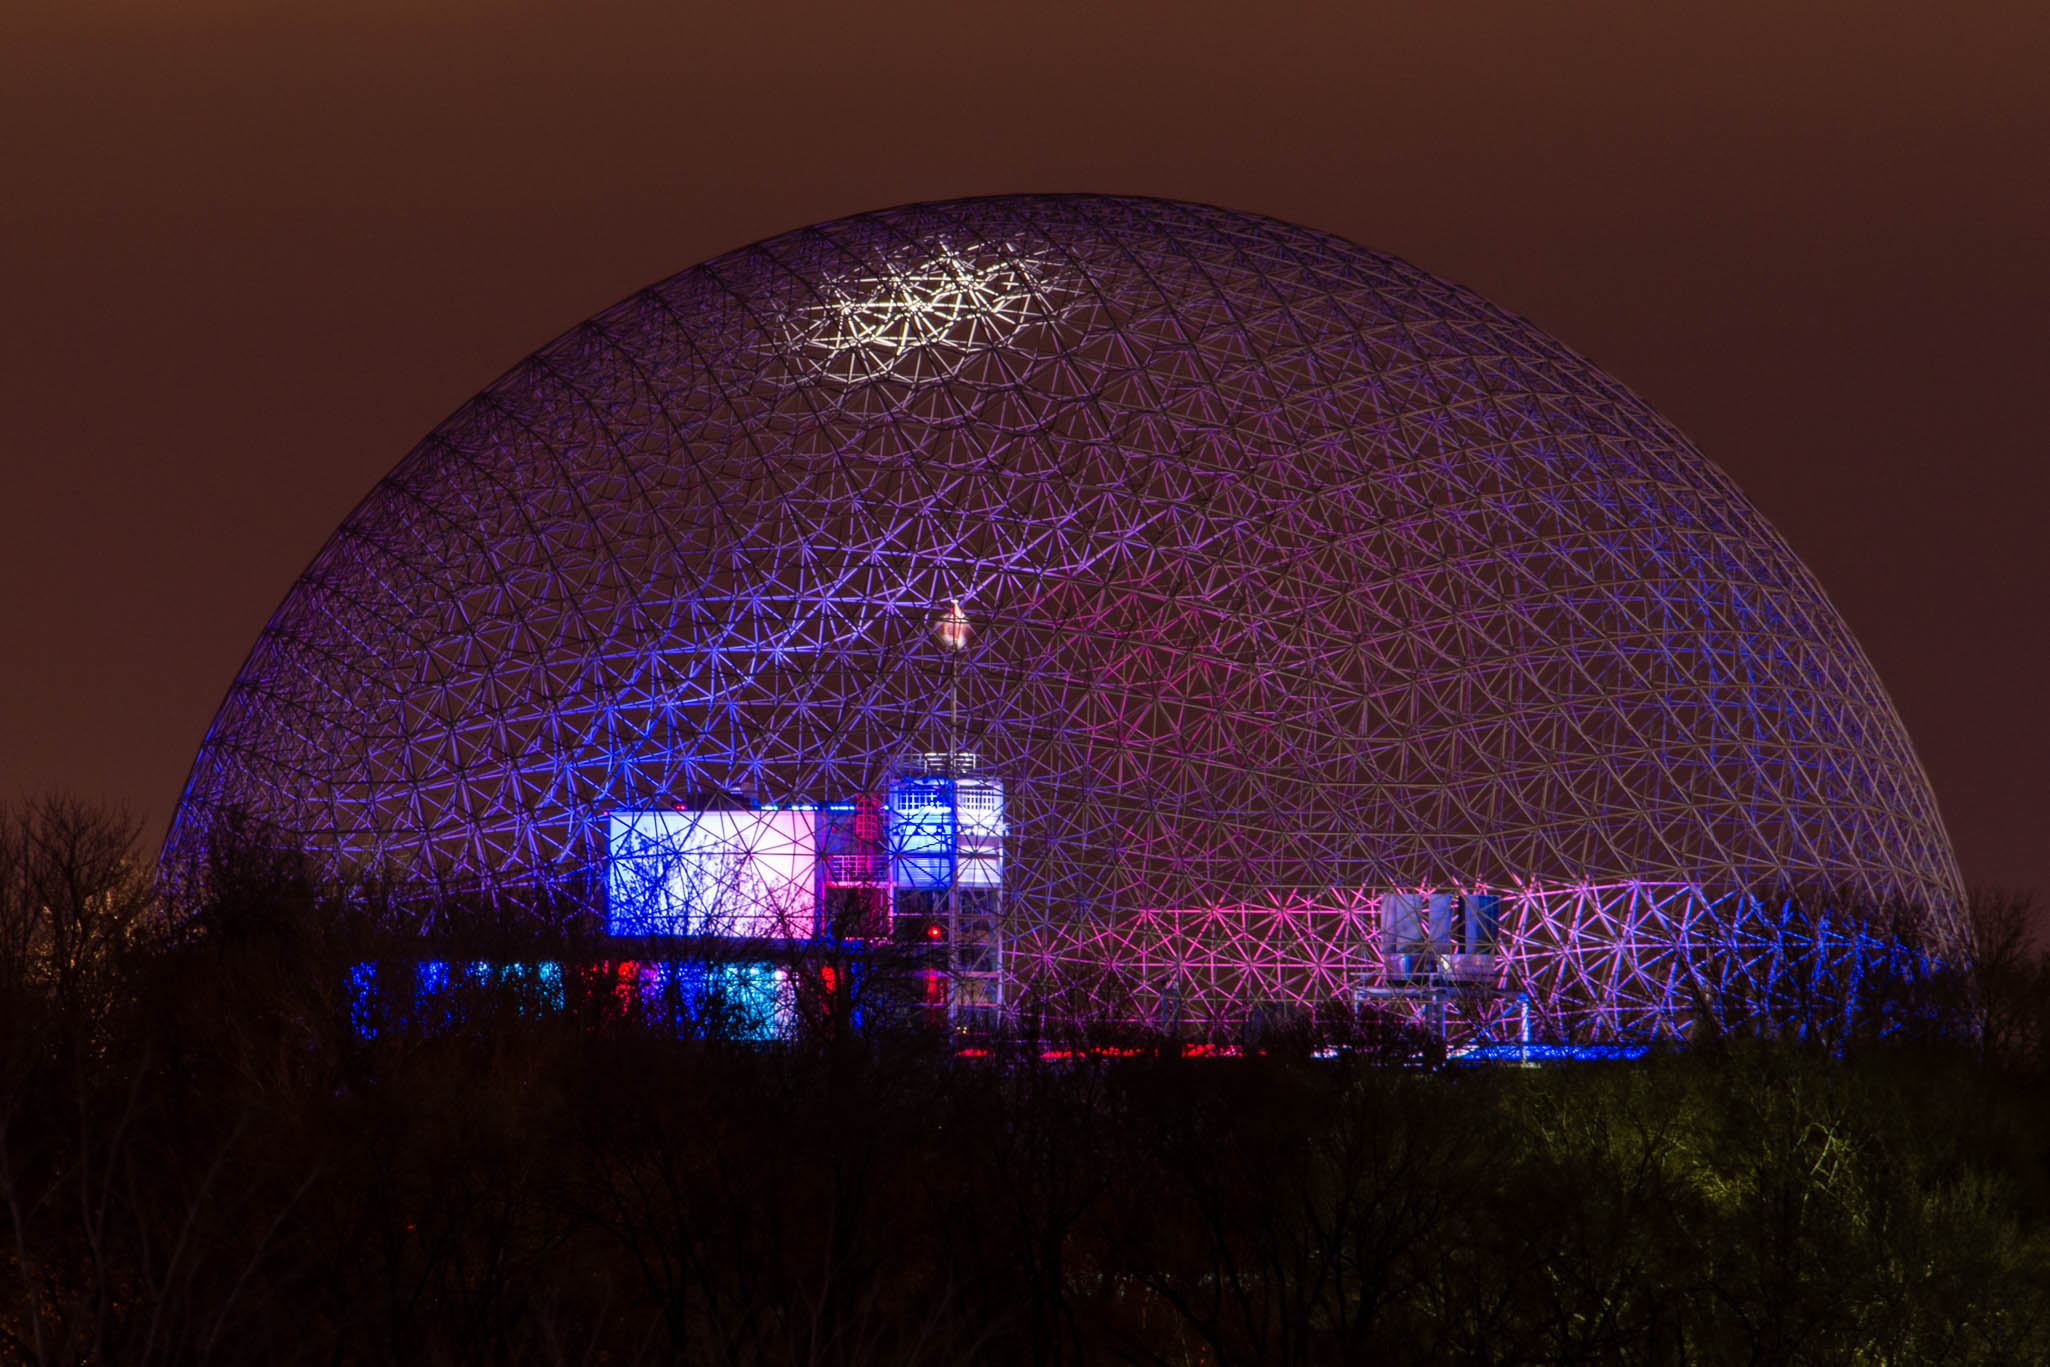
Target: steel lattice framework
(1628, 961)
(1296, 573)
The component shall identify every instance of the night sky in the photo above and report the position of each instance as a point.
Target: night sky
(250, 254)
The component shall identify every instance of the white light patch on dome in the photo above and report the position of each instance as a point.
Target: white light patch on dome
(918, 321)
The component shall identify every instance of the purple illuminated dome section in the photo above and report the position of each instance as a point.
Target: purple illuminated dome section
(1297, 578)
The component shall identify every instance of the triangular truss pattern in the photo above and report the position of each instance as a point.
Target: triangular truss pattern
(1617, 961)
(1292, 568)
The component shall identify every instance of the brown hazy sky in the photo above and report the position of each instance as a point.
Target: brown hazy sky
(250, 252)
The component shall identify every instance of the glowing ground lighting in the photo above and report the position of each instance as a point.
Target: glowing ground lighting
(1322, 633)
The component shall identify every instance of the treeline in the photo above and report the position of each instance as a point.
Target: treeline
(202, 1159)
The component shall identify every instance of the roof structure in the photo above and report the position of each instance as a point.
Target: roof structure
(1293, 571)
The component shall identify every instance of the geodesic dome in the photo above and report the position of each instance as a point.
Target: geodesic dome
(1294, 573)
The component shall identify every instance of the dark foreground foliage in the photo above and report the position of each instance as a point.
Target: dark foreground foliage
(201, 1161)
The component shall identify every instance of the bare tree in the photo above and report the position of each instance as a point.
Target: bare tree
(2009, 979)
(73, 894)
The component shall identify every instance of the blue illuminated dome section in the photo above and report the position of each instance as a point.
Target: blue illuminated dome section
(734, 874)
(773, 874)
(1275, 577)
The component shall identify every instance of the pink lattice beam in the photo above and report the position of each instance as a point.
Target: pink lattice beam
(1596, 961)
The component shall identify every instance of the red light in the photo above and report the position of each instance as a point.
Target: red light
(933, 932)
